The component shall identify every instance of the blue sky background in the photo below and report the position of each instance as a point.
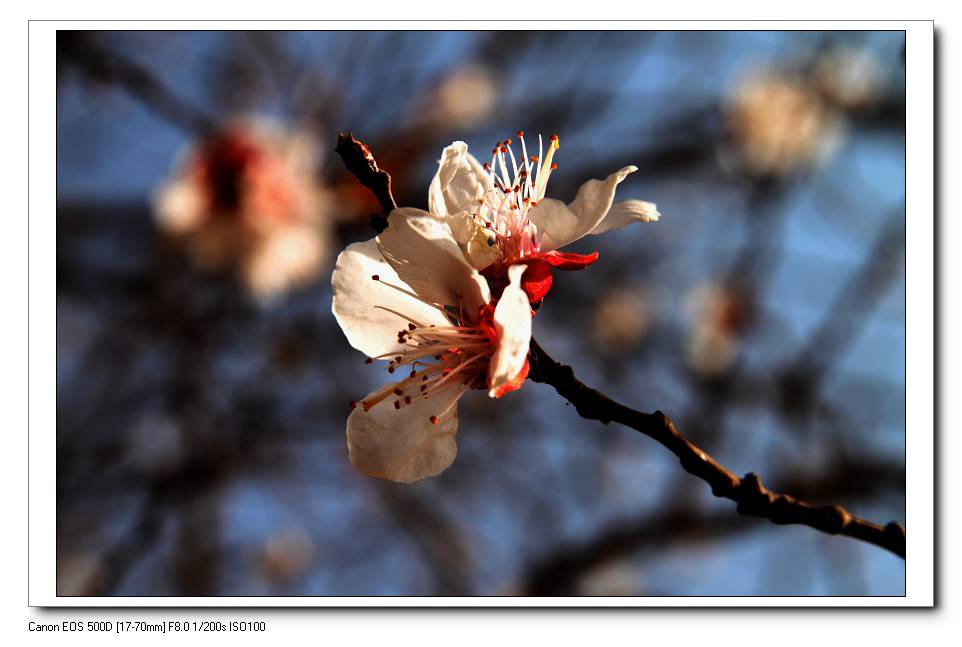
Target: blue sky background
(532, 478)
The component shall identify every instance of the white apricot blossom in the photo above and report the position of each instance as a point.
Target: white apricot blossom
(780, 123)
(409, 298)
(499, 215)
(244, 199)
(851, 78)
(718, 315)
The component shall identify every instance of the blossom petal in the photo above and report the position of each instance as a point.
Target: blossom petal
(561, 224)
(624, 213)
(370, 329)
(179, 206)
(408, 443)
(459, 183)
(424, 254)
(512, 323)
(289, 256)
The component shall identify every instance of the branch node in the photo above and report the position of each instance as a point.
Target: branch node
(837, 518)
(754, 499)
(895, 530)
(752, 486)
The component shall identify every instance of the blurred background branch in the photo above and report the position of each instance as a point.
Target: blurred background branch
(752, 497)
(561, 572)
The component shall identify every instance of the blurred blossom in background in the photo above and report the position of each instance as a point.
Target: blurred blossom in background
(204, 386)
(463, 99)
(717, 317)
(621, 318)
(781, 124)
(245, 199)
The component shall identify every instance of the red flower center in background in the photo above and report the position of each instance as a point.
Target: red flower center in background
(222, 167)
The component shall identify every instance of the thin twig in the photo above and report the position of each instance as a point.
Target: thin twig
(359, 160)
(559, 572)
(753, 498)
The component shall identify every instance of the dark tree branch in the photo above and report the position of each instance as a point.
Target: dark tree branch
(753, 498)
(359, 160)
(441, 545)
(560, 571)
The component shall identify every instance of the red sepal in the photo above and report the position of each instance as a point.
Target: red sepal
(569, 261)
(536, 280)
(516, 383)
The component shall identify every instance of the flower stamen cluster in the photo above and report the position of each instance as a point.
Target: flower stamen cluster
(504, 211)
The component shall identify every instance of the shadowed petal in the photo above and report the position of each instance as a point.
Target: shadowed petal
(425, 255)
(409, 443)
(624, 213)
(459, 183)
(371, 330)
(512, 323)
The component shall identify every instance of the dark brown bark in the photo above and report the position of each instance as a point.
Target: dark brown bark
(752, 497)
(359, 160)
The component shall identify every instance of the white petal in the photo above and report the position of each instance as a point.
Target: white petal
(624, 213)
(463, 226)
(403, 444)
(179, 206)
(371, 330)
(459, 183)
(512, 322)
(289, 256)
(560, 225)
(423, 252)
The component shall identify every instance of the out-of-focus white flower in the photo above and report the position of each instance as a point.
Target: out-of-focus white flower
(717, 318)
(155, 445)
(780, 123)
(499, 215)
(614, 578)
(287, 553)
(288, 256)
(466, 96)
(80, 575)
(851, 78)
(245, 199)
(621, 318)
(411, 299)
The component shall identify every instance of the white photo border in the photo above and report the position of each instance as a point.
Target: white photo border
(919, 320)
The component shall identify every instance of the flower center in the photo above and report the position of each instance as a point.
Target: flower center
(504, 211)
(224, 162)
(437, 356)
